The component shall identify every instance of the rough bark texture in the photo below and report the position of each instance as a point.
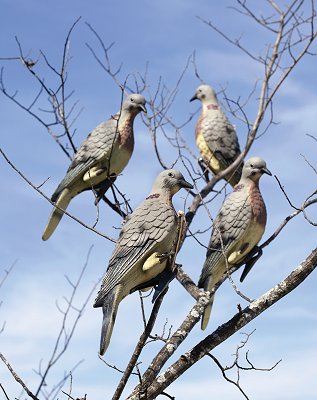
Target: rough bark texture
(226, 330)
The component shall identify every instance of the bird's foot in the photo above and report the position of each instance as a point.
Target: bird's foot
(104, 186)
(204, 169)
(250, 261)
(164, 280)
(165, 256)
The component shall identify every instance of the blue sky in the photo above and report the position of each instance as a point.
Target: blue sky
(164, 34)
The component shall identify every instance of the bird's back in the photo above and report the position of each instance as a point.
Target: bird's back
(229, 226)
(151, 228)
(219, 133)
(94, 148)
(218, 143)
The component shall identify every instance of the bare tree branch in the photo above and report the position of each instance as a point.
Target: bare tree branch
(228, 329)
(63, 338)
(49, 200)
(17, 378)
(139, 347)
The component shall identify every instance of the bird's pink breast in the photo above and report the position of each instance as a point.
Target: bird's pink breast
(126, 136)
(258, 206)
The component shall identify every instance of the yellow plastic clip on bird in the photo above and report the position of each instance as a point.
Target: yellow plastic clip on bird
(140, 255)
(216, 138)
(237, 230)
(100, 158)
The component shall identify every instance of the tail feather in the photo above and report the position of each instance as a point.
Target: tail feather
(62, 202)
(109, 308)
(208, 285)
(206, 315)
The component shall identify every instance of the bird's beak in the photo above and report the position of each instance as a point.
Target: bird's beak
(266, 171)
(143, 108)
(185, 184)
(194, 97)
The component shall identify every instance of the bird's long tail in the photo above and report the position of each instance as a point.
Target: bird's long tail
(206, 315)
(62, 202)
(209, 285)
(109, 308)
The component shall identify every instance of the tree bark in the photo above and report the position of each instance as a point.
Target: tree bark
(226, 330)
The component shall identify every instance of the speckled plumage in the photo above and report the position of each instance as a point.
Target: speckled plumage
(151, 228)
(103, 154)
(149, 232)
(216, 138)
(237, 229)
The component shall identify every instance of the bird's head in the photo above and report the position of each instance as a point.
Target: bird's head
(134, 103)
(254, 168)
(170, 181)
(205, 93)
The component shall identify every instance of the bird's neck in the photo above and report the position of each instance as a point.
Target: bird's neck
(125, 129)
(211, 106)
(254, 198)
(239, 187)
(248, 183)
(163, 196)
(123, 117)
(257, 204)
(153, 196)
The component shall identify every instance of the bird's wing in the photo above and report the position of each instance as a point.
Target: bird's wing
(98, 145)
(221, 138)
(148, 226)
(230, 225)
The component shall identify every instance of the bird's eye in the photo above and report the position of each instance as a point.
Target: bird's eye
(132, 99)
(251, 165)
(171, 174)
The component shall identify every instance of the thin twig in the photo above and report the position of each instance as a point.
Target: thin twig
(17, 378)
(222, 333)
(49, 200)
(139, 347)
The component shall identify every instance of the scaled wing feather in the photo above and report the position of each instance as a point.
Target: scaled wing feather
(230, 225)
(139, 238)
(98, 145)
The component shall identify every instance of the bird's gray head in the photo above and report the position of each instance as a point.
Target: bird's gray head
(170, 181)
(254, 168)
(205, 93)
(134, 103)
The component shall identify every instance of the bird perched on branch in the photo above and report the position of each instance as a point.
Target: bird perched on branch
(236, 232)
(100, 158)
(215, 136)
(143, 249)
